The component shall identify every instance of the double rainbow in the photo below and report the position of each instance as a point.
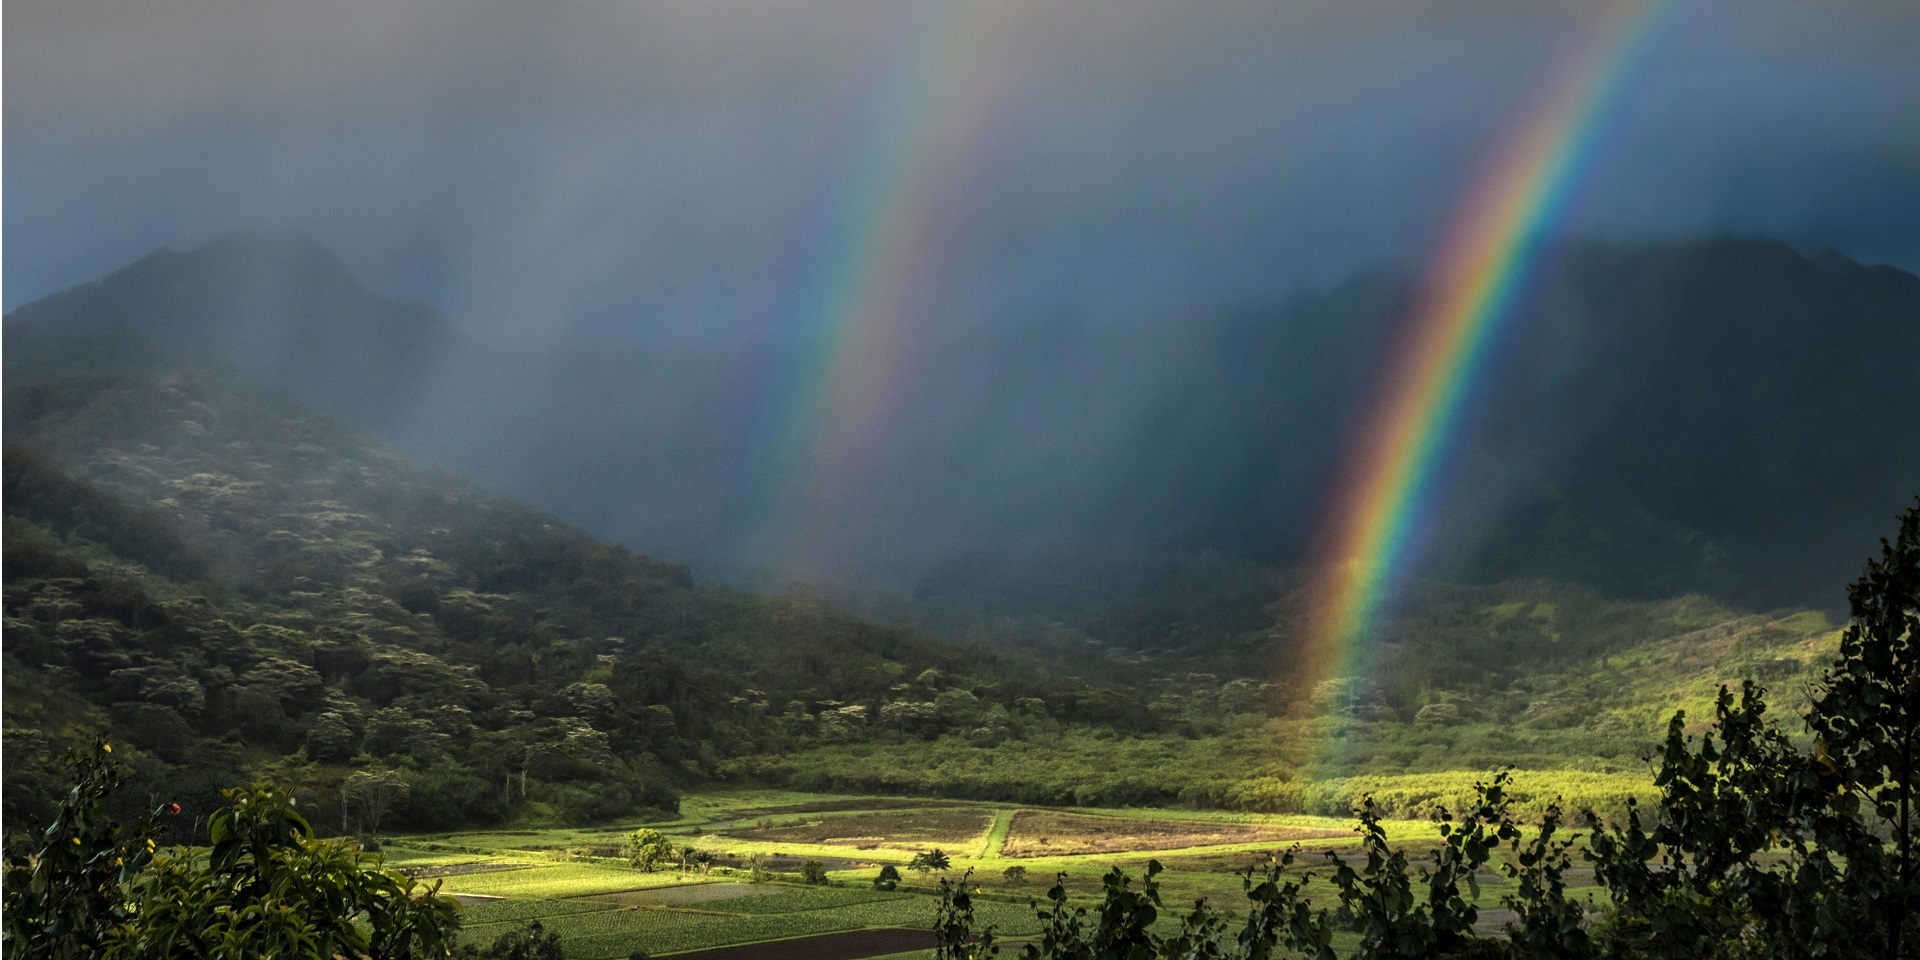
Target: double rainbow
(1493, 248)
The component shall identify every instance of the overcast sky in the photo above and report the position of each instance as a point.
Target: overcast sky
(628, 168)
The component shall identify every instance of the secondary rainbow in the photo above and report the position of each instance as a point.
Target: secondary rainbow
(1485, 260)
(866, 253)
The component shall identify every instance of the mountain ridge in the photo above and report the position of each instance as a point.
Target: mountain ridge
(276, 303)
(1657, 422)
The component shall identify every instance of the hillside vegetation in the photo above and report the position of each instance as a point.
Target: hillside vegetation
(241, 589)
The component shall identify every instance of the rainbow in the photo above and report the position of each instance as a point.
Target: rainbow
(864, 259)
(1492, 249)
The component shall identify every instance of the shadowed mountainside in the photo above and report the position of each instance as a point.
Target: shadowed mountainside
(277, 305)
(1724, 416)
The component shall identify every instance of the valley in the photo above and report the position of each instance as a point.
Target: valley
(237, 585)
(574, 882)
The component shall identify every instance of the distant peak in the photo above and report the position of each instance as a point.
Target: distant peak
(281, 246)
(1831, 260)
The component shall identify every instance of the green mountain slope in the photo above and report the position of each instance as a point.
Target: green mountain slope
(240, 589)
(1568, 685)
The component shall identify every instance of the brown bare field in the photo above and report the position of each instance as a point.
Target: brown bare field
(830, 806)
(1041, 833)
(867, 831)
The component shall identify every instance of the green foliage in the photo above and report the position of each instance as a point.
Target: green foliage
(267, 887)
(1866, 719)
(186, 559)
(956, 930)
(47, 496)
(369, 795)
(1763, 847)
(935, 859)
(647, 848)
(813, 871)
(529, 942)
(65, 886)
(264, 887)
(888, 877)
(353, 615)
(1756, 846)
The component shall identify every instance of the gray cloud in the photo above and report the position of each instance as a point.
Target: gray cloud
(1109, 184)
(586, 163)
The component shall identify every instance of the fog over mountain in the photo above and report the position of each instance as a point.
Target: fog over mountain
(1146, 259)
(1725, 416)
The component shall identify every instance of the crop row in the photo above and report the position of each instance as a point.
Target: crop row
(619, 932)
(516, 911)
(793, 900)
(558, 880)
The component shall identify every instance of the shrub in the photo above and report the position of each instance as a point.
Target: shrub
(528, 942)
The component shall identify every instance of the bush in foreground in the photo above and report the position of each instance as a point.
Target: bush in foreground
(265, 886)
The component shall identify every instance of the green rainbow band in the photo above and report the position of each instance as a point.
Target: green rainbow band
(1491, 251)
(866, 280)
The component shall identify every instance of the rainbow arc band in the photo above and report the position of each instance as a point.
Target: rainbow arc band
(865, 263)
(1494, 247)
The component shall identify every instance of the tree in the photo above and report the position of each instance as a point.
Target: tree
(813, 871)
(1015, 874)
(371, 794)
(646, 848)
(687, 853)
(888, 877)
(1866, 723)
(1757, 845)
(935, 859)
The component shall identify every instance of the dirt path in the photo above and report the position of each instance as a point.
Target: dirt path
(851, 945)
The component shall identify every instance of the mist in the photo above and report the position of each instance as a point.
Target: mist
(1148, 254)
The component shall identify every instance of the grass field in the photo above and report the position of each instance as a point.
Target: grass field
(605, 909)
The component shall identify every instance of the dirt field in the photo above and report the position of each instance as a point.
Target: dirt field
(830, 806)
(852, 945)
(1038, 833)
(694, 893)
(867, 831)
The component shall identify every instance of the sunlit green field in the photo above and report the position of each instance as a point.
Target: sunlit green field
(573, 882)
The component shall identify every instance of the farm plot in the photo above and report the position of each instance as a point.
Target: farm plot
(831, 946)
(1041, 833)
(794, 900)
(844, 804)
(593, 930)
(417, 860)
(517, 911)
(558, 880)
(864, 831)
(418, 871)
(692, 894)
